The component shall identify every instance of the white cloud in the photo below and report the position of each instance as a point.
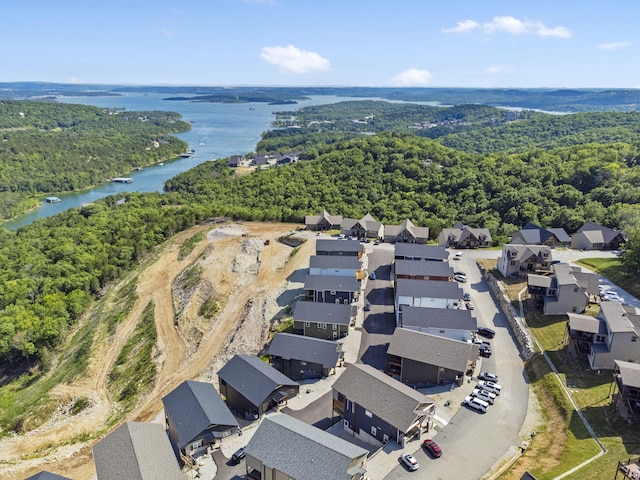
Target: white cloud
(614, 46)
(499, 70)
(73, 79)
(412, 77)
(463, 27)
(291, 59)
(513, 26)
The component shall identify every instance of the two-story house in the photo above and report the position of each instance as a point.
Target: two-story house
(532, 234)
(347, 248)
(462, 236)
(331, 289)
(329, 321)
(568, 290)
(366, 227)
(323, 221)
(518, 260)
(450, 323)
(426, 294)
(592, 236)
(337, 265)
(412, 270)
(301, 358)
(406, 232)
(416, 251)
(627, 378)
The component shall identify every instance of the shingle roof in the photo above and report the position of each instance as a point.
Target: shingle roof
(585, 323)
(323, 283)
(449, 318)
(534, 280)
(253, 378)
(617, 317)
(432, 349)
(416, 232)
(46, 476)
(607, 234)
(417, 250)
(308, 349)
(413, 268)
(393, 401)
(335, 261)
(303, 451)
(327, 245)
(193, 407)
(337, 313)
(428, 289)
(136, 451)
(519, 252)
(314, 219)
(629, 373)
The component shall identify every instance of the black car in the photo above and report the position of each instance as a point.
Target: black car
(486, 332)
(485, 351)
(238, 455)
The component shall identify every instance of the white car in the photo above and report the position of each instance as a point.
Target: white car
(485, 395)
(409, 460)
(491, 377)
(491, 386)
(476, 403)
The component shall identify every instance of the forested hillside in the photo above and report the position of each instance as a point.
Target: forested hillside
(50, 148)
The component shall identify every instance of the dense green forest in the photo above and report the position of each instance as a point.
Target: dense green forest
(48, 148)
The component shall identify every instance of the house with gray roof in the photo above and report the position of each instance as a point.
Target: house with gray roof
(518, 260)
(463, 236)
(377, 409)
(339, 266)
(302, 452)
(426, 294)
(610, 337)
(251, 387)
(627, 378)
(323, 221)
(406, 232)
(450, 323)
(532, 234)
(415, 251)
(329, 321)
(44, 475)
(344, 247)
(568, 290)
(196, 418)
(412, 270)
(592, 236)
(301, 358)
(366, 227)
(331, 289)
(136, 451)
(422, 360)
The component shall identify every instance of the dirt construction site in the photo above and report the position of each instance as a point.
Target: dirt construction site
(254, 278)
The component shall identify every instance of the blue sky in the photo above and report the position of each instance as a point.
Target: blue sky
(466, 43)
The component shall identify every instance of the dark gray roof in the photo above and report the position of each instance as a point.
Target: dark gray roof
(327, 245)
(323, 283)
(450, 318)
(392, 401)
(46, 476)
(302, 451)
(335, 261)
(535, 280)
(428, 289)
(431, 252)
(629, 373)
(323, 312)
(432, 349)
(193, 407)
(308, 349)
(413, 268)
(253, 378)
(421, 233)
(608, 234)
(586, 323)
(136, 451)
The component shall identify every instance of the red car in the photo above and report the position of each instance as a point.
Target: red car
(433, 448)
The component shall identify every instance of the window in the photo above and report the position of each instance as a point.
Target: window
(335, 327)
(333, 292)
(303, 363)
(307, 324)
(323, 325)
(374, 431)
(513, 262)
(442, 331)
(600, 338)
(634, 339)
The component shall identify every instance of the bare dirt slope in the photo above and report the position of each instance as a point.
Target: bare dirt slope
(252, 282)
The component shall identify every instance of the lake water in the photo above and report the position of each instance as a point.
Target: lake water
(218, 130)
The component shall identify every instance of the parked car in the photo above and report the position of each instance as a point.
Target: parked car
(491, 377)
(342, 236)
(486, 332)
(409, 460)
(367, 307)
(469, 305)
(377, 242)
(460, 278)
(458, 255)
(372, 276)
(485, 351)
(476, 403)
(238, 455)
(485, 395)
(467, 297)
(491, 386)
(432, 447)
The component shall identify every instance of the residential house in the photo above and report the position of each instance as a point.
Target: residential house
(421, 359)
(592, 236)
(568, 290)
(251, 387)
(532, 234)
(450, 323)
(264, 159)
(627, 378)
(234, 161)
(284, 447)
(331, 289)
(414, 251)
(406, 232)
(286, 159)
(462, 236)
(335, 265)
(44, 475)
(426, 294)
(612, 336)
(329, 321)
(377, 409)
(518, 260)
(366, 227)
(196, 418)
(347, 248)
(412, 270)
(323, 221)
(136, 450)
(301, 358)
